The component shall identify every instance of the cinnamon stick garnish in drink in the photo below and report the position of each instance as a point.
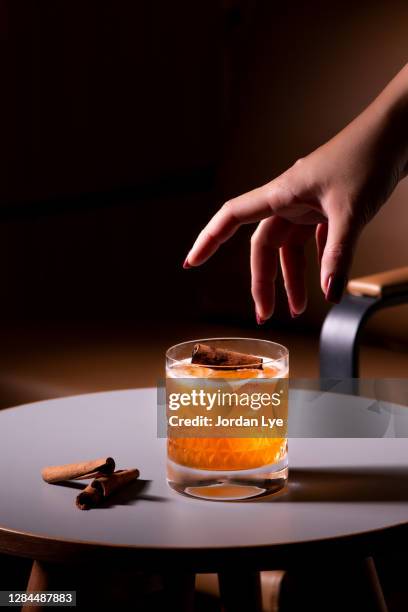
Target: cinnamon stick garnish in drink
(102, 487)
(206, 355)
(78, 471)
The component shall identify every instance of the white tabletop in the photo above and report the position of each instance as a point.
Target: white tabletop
(337, 486)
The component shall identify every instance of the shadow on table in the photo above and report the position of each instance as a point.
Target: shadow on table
(345, 485)
(127, 496)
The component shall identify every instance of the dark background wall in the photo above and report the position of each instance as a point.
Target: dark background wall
(126, 124)
(106, 94)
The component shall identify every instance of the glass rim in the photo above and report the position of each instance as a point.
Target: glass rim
(281, 358)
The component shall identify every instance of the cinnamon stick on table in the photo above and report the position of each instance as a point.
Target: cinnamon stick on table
(78, 471)
(207, 355)
(102, 487)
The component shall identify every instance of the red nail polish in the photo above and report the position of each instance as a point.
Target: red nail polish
(186, 264)
(335, 288)
(259, 320)
(293, 314)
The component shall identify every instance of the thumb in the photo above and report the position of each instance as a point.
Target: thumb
(337, 255)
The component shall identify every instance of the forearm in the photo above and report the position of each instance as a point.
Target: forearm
(391, 108)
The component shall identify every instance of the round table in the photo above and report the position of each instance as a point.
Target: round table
(345, 495)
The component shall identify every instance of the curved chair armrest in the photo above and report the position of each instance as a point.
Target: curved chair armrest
(342, 327)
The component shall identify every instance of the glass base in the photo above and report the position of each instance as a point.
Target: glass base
(232, 485)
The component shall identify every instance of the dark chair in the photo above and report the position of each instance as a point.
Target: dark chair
(339, 338)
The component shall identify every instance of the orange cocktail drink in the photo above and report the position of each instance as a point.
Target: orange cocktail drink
(230, 462)
(225, 453)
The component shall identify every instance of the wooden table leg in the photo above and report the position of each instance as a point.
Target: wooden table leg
(39, 580)
(375, 586)
(39, 577)
(240, 591)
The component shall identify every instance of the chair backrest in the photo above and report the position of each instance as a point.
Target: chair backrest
(340, 334)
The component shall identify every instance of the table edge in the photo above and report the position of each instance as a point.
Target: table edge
(264, 556)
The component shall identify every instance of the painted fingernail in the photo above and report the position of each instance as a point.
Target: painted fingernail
(259, 319)
(335, 288)
(293, 314)
(186, 264)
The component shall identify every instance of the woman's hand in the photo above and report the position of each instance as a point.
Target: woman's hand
(332, 193)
